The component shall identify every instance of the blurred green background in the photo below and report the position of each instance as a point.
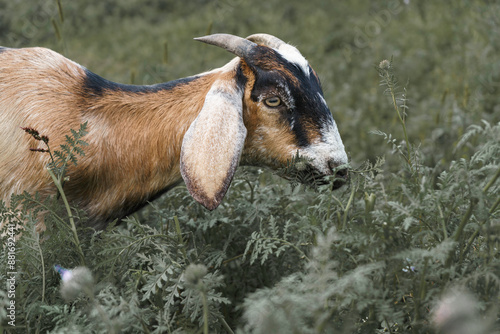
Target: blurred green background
(445, 52)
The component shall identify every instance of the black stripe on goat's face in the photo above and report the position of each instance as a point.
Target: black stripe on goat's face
(287, 114)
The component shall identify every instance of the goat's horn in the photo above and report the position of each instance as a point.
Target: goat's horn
(234, 44)
(267, 40)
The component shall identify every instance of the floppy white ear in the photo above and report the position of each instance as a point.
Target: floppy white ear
(212, 146)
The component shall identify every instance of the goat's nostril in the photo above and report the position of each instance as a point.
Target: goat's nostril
(342, 173)
(332, 165)
(341, 177)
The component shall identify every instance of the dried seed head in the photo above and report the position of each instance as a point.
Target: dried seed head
(384, 64)
(194, 273)
(35, 134)
(39, 150)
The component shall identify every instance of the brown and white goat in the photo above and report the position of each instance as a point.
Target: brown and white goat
(260, 109)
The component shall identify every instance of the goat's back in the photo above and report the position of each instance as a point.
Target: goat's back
(38, 89)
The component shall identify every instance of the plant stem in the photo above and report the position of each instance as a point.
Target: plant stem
(348, 205)
(39, 318)
(492, 181)
(464, 221)
(70, 215)
(251, 191)
(232, 259)
(205, 312)
(225, 325)
(289, 244)
(179, 235)
(142, 239)
(43, 267)
(492, 209)
(388, 325)
(443, 222)
(401, 118)
(110, 329)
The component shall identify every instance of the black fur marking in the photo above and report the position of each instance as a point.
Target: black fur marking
(96, 85)
(241, 79)
(300, 134)
(308, 110)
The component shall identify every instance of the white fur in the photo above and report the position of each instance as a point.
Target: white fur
(293, 55)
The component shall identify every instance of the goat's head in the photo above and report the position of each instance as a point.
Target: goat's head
(266, 108)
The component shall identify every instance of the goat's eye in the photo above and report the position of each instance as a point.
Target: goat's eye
(273, 101)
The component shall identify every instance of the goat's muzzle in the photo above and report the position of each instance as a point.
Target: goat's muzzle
(341, 178)
(341, 174)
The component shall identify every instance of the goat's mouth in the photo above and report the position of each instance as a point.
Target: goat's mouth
(315, 179)
(341, 177)
(301, 171)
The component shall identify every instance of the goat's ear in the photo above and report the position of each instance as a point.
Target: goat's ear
(212, 145)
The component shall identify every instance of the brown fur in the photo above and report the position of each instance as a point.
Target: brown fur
(269, 140)
(134, 147)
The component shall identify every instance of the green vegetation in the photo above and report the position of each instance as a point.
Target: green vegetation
(409, 246)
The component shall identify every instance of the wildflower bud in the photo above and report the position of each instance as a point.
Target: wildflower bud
(35, 134)
(75, 281)
(194, 273)
(384, 64)
(38, 150)
(369, 202)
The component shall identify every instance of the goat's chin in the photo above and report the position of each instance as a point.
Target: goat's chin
(338, 183)
(335, 182)
(340, 178)
(314, 178)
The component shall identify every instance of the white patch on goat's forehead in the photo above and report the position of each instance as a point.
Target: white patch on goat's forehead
(293, 55)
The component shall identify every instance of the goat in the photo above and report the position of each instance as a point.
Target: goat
(262, 108)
